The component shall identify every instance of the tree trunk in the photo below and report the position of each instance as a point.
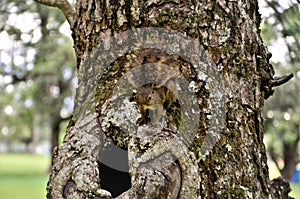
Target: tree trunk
(290, 157)
(36, 132)
(55, 129)
(176, 86)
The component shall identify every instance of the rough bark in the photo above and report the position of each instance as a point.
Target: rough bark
(216, 49)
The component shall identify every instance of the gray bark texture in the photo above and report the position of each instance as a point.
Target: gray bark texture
(179, 86)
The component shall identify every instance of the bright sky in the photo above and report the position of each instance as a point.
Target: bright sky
(25, 22)
(278, 48)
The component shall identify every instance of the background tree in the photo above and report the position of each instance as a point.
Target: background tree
(37, 67)
(282, 110)
(226, 156)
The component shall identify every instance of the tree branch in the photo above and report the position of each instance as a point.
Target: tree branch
(63, 5)
(277, 81)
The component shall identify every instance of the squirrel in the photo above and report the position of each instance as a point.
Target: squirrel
(153, 100)
(154, 79)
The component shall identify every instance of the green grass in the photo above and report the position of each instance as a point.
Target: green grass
(295, 190)
(23, 187)
(23, 176)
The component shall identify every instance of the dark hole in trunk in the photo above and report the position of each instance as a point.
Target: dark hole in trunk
(114, 170)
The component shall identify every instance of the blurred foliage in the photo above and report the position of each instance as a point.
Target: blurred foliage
(37, 67)
(283, 23)
(282, 110)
